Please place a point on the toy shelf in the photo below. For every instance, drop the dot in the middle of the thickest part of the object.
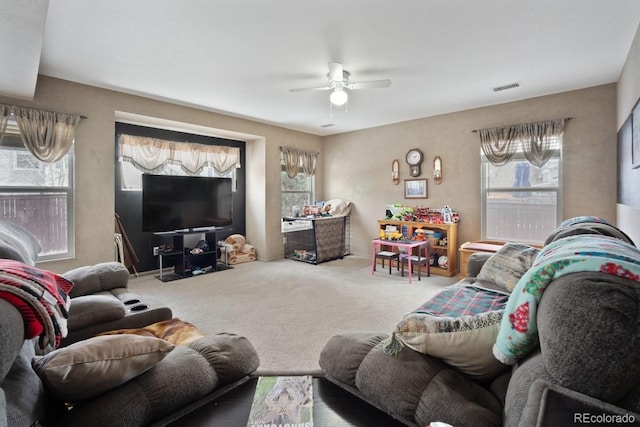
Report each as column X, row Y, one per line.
column 450, row 250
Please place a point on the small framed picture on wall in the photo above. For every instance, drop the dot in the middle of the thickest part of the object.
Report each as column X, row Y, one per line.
column 415, row 188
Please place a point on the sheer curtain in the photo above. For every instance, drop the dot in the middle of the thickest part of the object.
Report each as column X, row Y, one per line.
column 151, row 154
column 536, row 140
column 291, row 161
column 309, row 161
column 46, row 134
column 294, row 159
column 4, row 119
column 499, row 144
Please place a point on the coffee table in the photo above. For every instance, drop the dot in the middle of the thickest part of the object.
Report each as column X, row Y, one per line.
column 332, row 407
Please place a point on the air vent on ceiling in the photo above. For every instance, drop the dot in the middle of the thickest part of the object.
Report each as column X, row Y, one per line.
column 328, row 125
column 505, row 87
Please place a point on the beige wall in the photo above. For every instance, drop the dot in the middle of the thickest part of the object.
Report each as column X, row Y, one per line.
column 358, row 164
column 354, row 166
column 628, row 94
column 94, row 149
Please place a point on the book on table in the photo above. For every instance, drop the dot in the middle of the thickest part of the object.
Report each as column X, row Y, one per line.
column 282, row 401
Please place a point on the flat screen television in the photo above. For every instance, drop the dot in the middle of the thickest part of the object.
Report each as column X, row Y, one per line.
column 177, row 203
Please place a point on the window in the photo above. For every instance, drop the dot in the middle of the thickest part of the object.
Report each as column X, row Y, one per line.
column 521, row 202
column 295, row 192
column 37, row 195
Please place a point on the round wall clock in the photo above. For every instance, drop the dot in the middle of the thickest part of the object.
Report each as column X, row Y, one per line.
column 414, row 159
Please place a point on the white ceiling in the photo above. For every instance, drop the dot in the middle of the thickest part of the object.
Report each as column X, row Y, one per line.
column 241, row 57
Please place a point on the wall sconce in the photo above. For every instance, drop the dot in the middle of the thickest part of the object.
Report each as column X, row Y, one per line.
column 437, row 170
column 395, row 172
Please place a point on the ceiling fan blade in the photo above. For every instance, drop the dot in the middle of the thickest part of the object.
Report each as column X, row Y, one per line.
column 369, row 85
column 335, row 72
column 306, row 89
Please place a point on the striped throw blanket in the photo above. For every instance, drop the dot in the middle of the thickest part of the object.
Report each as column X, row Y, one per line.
column 42, row 297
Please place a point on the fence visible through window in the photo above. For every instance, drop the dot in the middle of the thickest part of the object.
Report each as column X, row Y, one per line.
column 45, row 215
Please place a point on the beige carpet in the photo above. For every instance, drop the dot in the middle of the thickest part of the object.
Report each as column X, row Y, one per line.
column 289, row 309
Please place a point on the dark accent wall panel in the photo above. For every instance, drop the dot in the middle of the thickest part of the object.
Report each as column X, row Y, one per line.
column 128, row 204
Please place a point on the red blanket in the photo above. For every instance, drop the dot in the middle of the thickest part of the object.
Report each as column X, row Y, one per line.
column 42, row 297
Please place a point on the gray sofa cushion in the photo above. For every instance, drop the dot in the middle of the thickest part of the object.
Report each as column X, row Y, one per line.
column 145, row 311
column 89, row 310
column 21, row 241
column 553, row 405
column 475, row 263
column 230, row 355
column 415, row 388
column 9, row 252
column 602, row 360
column 25, row 394
column 162, row 390
column 524, row 374
column 92, row 279
column 607, row 308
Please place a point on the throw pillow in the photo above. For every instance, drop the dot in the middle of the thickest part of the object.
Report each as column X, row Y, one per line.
column 508, row 265
column 338, row 207
column 90, row 367
column 458, row 325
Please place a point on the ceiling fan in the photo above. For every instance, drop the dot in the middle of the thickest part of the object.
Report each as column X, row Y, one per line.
column 339, row 82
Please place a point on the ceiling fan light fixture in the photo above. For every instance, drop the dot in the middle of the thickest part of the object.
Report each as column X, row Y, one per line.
column 338, row 97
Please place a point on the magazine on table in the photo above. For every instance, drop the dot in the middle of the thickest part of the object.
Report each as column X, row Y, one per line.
column 282, row 401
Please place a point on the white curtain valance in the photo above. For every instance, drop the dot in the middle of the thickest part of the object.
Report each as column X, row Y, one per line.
column 536, row 140
column 295, row 159
column 4, row 119
column 48, row 135
column 151, row 154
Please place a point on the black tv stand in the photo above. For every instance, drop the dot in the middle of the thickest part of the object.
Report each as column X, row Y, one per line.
column 188, row 264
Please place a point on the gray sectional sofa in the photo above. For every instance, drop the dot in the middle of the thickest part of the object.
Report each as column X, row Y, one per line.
column 114, row 380
column 581, row 367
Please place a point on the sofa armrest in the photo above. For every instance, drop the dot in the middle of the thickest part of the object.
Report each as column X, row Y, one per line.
column 414, row 388
column 553, row 405
column 186, row 375
column 476, row 261
column 92, row 279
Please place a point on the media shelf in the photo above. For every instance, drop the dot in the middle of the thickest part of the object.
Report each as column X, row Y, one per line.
column 187, row 264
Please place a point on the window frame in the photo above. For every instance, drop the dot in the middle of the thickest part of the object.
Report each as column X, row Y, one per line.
column 518, row 157
column 283, row 175
column 68, row 190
